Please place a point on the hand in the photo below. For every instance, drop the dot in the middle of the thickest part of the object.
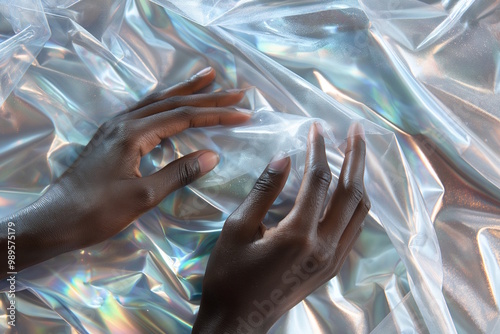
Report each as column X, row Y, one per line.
column 104, row 191
column 255, row 274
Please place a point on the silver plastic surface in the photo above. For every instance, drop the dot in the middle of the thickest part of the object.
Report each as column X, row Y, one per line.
column 423, row 76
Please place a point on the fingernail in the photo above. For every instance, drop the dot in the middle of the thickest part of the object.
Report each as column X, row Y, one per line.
column 235, row 90
column 204, row 71
column 356, row 129
column 320, row 129
column 207, row 161
column 313, row 130
column 279, row 165
column 244, row 111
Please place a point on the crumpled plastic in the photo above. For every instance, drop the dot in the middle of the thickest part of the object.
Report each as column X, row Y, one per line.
column 244, row 152
column 422, row 76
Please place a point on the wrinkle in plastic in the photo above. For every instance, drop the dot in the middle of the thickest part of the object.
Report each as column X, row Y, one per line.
column 400, row 67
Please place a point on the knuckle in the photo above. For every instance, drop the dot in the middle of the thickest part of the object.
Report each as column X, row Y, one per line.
column 321, row 173
column 176, row 100
column 266, row 183
column 145, row 195
column 187, row 173
column 106, row 126
column 353, row 189
column 323, row 255
column 184, row 112
column 101, row 134
column 303, row 243
column 121, row 134
column 120, row 130
column 155, row 97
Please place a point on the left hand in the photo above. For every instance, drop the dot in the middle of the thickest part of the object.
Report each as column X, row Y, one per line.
column 106, row 177
column 104, row 191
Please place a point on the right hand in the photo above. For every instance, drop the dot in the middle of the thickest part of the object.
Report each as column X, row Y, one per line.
column 255, row 274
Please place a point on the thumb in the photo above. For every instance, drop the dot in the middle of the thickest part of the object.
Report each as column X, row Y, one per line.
column 175, row 175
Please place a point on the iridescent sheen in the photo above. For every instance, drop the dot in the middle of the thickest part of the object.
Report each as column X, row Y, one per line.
column 424, row 77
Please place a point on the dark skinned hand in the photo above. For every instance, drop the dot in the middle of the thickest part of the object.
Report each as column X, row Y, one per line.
column 103, row 191
column 255, row 274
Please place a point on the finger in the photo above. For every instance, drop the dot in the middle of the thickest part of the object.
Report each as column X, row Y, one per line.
column 197, row 82
column 148, row 132
column 313, row 190
column 352, row 230
column 350, row 189
column 222, row 99
column 344, row 250
column 351, row 234
column 149, row 191
column 247, row 218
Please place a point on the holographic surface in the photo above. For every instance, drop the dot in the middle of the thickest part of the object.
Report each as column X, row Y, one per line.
column 423, row 75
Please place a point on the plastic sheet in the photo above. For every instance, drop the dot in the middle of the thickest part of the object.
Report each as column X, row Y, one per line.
column 245, row 151
column 423, row 75
column 24, row 33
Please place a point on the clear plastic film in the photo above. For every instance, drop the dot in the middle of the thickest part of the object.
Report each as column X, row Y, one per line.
column 421, row 76
column 245, row 151
column 23, row 34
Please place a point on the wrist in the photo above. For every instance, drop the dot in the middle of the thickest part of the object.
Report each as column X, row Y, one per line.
column 59, row 213
column 40, row 229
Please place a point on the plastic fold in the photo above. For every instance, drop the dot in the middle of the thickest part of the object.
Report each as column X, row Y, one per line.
column 422, row 77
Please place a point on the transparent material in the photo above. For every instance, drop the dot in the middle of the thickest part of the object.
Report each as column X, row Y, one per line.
column 423, row 76
column 246, row 150
column 23, row 33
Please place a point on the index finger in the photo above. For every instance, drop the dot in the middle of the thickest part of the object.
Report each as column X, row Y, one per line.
column 149, row 131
